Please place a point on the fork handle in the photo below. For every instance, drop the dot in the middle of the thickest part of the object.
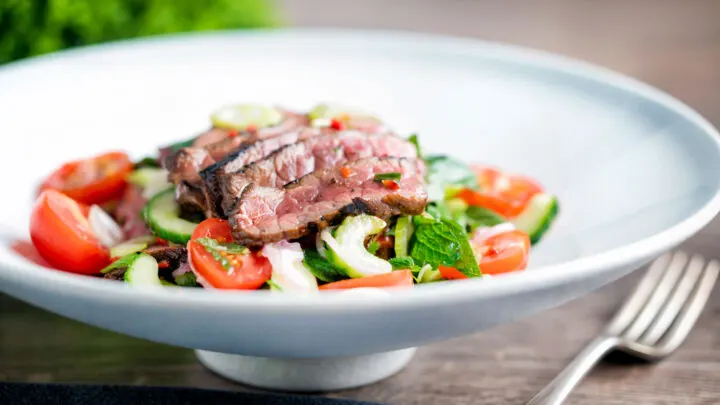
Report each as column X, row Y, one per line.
column 558, row 390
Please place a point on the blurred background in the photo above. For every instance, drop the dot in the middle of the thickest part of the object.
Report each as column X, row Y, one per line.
column 677, row 39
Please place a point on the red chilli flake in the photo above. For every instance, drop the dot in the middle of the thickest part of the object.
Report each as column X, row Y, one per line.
column 346, row 172
column 162, row 242
column 251, row 128
column 337, row 124
column 232, row 134
column 391, row 184
column 163, row 264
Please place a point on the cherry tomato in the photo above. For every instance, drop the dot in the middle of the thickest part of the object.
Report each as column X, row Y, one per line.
column 61, row 233
column 247, row 271
column 397, row 278
column 27, row 250
column 90, row 181
column 507, row 195
column 502, row 253
column 451, row 273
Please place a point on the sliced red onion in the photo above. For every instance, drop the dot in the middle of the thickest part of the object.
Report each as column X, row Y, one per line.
column 104, row 227
column 288, row 270
column 182, row 269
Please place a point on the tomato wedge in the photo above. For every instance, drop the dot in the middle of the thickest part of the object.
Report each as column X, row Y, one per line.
column 61, row 233
column 223, row 266
column 507, row 195
column 397, row 278
column 502, row 253
column 90, row 181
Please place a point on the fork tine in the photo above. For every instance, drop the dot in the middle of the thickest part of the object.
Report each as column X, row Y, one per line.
column 638, row 298
column 631, row 306
column 685, row 321
column 657, row 298
column 673, row 306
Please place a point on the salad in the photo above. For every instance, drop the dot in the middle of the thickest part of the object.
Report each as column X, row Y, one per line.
column 267, row 198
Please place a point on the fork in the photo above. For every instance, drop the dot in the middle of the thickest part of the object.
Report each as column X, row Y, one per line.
column 652, row 323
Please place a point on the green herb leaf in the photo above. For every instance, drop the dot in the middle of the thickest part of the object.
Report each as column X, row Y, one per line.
column 388, row 176
column 183, row 144
column 321, row 268
column 479, row 216
column 444, row 171
column 401, row 263
column 146, row 162
column 124, row 261
column 186, row 280
column 444, row 243
column 413, row 139
column 214, row 248
column 274, row 286
column 373, row 247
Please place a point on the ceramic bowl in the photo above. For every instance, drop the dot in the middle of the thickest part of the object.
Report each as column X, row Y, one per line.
column 636, row 171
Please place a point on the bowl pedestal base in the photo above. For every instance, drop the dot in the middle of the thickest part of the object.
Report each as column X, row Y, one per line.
column 322, row 374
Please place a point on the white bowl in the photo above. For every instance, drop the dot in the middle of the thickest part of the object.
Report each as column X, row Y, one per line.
column 636, row 171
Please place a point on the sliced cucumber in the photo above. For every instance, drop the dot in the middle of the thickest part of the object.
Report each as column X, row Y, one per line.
column 323, row 114
column 143, row 271
column 242, row 116
column 131, row 246
column 403, row 231
column 162, row 214
column 537, row 216
column 152, row 180
column 346, row 250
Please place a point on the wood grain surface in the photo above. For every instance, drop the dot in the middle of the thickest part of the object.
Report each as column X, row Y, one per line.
column 672, row 44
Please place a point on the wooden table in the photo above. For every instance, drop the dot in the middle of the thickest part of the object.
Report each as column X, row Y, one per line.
column 674, row 45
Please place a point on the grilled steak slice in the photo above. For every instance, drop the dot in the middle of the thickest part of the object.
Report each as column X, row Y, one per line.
column 216, row 143
column 173, row 255
column 213, row 176
column 324, row 197
column 320, row 152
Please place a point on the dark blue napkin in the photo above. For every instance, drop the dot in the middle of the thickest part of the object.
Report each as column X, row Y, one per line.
column 72, row 394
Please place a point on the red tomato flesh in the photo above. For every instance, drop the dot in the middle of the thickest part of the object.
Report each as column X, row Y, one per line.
column 507, row 195
column 95, row 180
column 244, row 272
column 397, row 278
column 61, row 234
column 502, row 253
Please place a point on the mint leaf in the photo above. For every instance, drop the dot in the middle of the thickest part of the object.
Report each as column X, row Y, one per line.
column 413, row 139
column 122, row 262
column 373, row 247
column 321, row 268
column 182, row 144
column 444, row 171
column 444, row 243
column 388, row 176
column 401, row 263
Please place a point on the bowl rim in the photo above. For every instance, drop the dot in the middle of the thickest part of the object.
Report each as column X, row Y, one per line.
column 20, row 271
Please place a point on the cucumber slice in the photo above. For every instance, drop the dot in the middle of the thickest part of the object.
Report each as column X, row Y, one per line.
column 162, row 214
column 131, row 246
column 322, row 114
column 143, row 271
column 152, row 180
column 346, row 250
column 403, row 231
column 537, row 217
column 242, row 116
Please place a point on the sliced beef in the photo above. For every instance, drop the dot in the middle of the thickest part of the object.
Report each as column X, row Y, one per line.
column 215, row 144
column 294, row 161
column 191, row 200
column 128, row 213
column 216, row 174
column 324, row 197
column 175, row 256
